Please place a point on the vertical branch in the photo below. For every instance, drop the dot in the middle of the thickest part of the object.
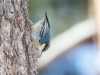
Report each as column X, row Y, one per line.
column 18, row 55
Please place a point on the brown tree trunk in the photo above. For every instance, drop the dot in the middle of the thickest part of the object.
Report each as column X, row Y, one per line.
column 18, row 55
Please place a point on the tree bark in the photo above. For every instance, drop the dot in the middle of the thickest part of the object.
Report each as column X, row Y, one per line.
column 18, row 55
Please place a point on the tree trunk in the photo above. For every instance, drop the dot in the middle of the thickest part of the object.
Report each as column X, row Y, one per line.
column 18, row 55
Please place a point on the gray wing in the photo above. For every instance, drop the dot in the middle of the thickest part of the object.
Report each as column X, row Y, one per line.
column 45, row 31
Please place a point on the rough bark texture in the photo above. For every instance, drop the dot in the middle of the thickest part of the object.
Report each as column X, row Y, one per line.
column 18, row 55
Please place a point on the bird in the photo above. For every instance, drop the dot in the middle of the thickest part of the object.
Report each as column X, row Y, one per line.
column 41, row 34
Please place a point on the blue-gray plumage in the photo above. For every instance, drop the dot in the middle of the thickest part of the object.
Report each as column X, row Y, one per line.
column 45, row 32
column 41, row 34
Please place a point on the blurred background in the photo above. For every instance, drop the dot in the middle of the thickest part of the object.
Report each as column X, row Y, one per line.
column 62, row 14
column 74, row 33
